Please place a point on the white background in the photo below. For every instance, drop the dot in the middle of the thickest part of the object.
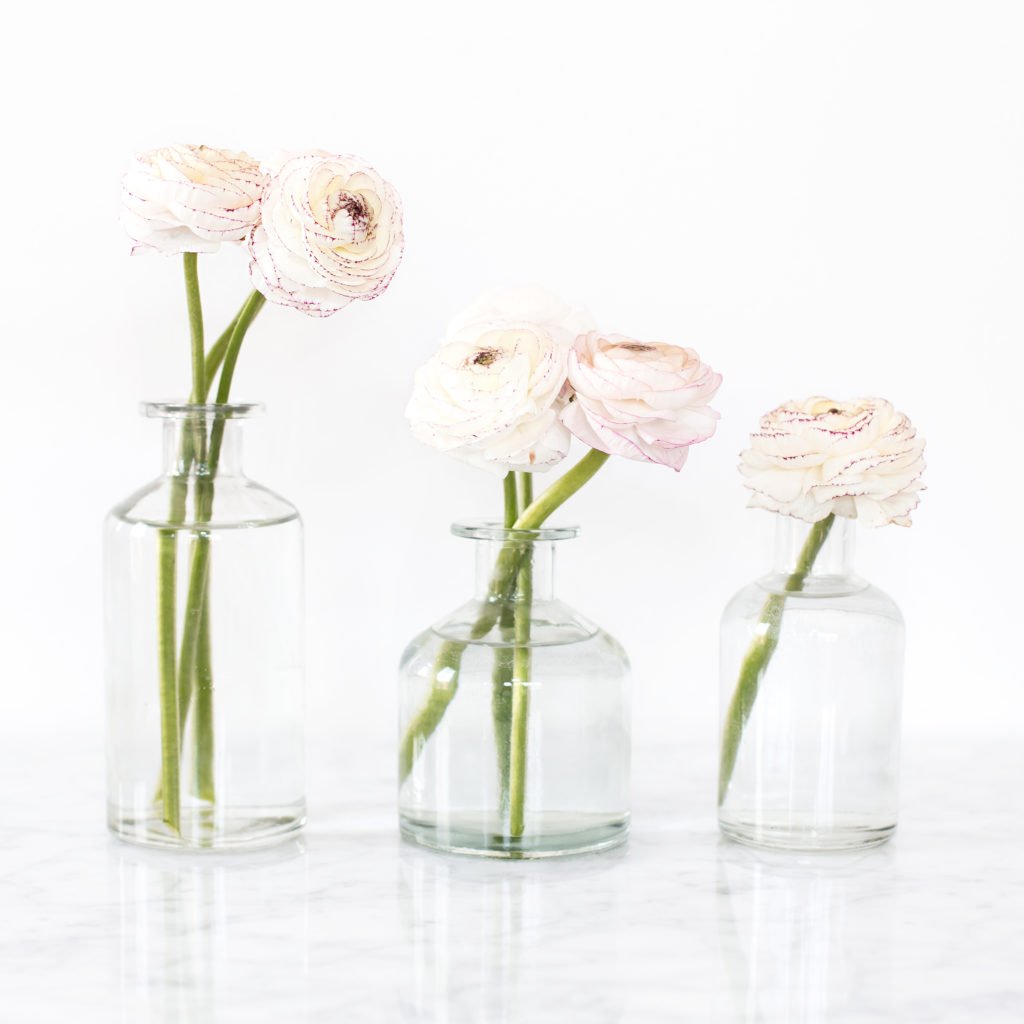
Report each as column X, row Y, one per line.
column 819, row 197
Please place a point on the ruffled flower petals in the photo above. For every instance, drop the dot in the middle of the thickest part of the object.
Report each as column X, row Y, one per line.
column 331, row 233
column 860, row 459
column 491, row 397
column 647, row 402
column 190, row 199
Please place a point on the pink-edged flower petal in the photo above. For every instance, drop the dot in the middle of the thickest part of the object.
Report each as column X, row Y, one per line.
column 643, row 401
column 330, row 233
column 860, row 459
column 190, row 199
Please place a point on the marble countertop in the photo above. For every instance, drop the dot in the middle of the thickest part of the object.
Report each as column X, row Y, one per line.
column 350, row 925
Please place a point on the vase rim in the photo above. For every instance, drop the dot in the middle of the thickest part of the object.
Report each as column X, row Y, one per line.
column 205, row 410
column 483, row 529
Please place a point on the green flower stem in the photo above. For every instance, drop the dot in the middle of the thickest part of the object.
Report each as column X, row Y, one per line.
column 501, row 676
column 525, row 489
column 204, row 740
column 193, row 440
column 245, row 317
column 172, row 701
column 195, row 670
column 512, row 505
column 521, row 657
column 760, row 652
column 170, row 749
column 421, row 728
column 561, row 490
column 503, row 581
column 215, row 356
column 195, row 326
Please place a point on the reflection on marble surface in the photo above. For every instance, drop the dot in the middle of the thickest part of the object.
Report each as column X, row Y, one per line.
column 789, row 929
column 180, row 931
column 487, row 940
column 349, row 925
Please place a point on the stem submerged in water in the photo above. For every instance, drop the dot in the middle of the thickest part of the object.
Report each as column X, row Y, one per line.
column 170, row 739
column 760, row 652
column 521, row 659
column 204, row 773
column 186, row 681
column 195, row 669
column 173, row 698
column 501, row 676
column 503, row 583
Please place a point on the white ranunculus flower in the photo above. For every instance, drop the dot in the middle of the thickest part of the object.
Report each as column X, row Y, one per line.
column 860, row 459
column 642, row 400
column 331, row 232
column 493, row 393
column 190, row 198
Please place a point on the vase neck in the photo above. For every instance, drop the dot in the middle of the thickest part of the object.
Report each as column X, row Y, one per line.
column 795, row 539
column 202, row 447
column 537, row 557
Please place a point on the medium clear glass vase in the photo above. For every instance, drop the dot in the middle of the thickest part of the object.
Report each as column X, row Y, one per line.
column 204, row 632
column 514, row 715
column 811, row 693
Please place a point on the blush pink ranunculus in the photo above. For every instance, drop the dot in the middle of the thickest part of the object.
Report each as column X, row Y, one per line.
column 641, row 400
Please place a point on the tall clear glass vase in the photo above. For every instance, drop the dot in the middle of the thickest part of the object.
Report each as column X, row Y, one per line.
column 514, row 715
column 811, row 693
column 204, row 631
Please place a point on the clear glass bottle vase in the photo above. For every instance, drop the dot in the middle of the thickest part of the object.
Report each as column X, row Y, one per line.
column 514, row 714
column 811, row 693
column 204, row 631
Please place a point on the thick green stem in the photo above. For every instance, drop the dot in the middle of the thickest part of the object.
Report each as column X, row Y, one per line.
column 195, row 326
column 194, row 448
column 501, row 676
column 195, row 672
column 170, row 749
column 759, row 654
column 520, row 698
column 190, row 446
column 246, row 315
column 503, row 582
column 524, row 483
column 204, row 759
column 421, row 728
column 173, row 699
column 215, row 356
column 561, row 490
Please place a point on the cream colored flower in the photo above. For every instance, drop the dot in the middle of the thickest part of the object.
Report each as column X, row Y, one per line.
column 492, row 394
column 859, row 459
column 190, row 198
column 640, row 400
column 331, row 232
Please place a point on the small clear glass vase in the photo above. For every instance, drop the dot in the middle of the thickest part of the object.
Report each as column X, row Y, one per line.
column 204, row 631
column 514, row 715
column 811, row 694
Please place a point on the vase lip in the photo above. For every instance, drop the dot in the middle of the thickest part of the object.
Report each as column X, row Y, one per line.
column 484, row 529
column 204, row 410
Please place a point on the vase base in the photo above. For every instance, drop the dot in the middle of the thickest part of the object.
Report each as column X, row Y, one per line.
column 554, row 834
column 790, row 834
column 209, row 829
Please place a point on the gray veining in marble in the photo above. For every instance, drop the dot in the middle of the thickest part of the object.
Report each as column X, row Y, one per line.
column 349, row 925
